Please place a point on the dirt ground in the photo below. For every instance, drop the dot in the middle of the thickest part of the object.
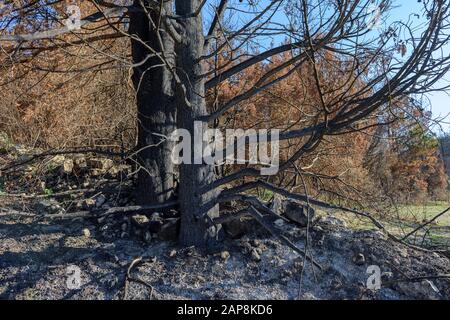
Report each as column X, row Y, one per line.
column 37, row 258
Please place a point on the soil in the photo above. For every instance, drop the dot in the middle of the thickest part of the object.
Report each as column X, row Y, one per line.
column 37, row 256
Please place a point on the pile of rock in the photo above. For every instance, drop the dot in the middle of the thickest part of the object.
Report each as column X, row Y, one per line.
column 145, row 227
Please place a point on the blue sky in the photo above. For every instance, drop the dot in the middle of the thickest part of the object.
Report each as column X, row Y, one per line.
column 439, row 101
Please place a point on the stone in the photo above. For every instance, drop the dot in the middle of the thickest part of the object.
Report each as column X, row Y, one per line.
column 124, row 226
column 424, row 290
column 298, row 264
column 255, row 256
column 89, row 203
column 100, row 164
column 333, row 221
column 172, row 253
column 147, row 236
column 386, row 277
column 321, row 241
column 359, row 259
column 279, row 223
column 293, row 210
column 225, row 255
column 86, row 233
column 336, row 284
column 239, row 227
column 100, row 201
column 155, row 224
column 140, row 220
column 170, row 229
column 57, row 160
column 101, row 219
column 48, row 206
column 308, row 296
column 247, row 246
column 68, row 166
column 80, row 162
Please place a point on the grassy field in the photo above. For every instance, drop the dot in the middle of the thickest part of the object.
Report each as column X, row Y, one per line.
column 404, row 219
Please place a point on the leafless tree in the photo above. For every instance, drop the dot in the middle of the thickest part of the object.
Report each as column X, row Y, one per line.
column 174, row 49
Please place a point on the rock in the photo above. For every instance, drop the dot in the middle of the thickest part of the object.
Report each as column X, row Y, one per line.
column 68, row 166
column 106, row 206
column 293, row 210
column 173, row 253
column 96, row 172
column 239, row 227
column 57, row 160
column 225, row 255
column 140, row 220
column 386, row 277
column 333, row 221
column 80, row 162
column 279, row 222
column 403, row 253
column 256, row 243
column 170, row 229
column 298, row 264
column 48, row 206
column 86, row 233
column 100, row 201
column 359, row 259
column 247, row 246
column 256, row 256
column 124, row 226
column 147, row 236
column 171, row 214
column 85, row 184
column 100, row 164
column 317, row 228
column 321, row 241
column 424, row 290
column 336, row 283
column 101, row 219
column 308, row 296
column 155, row 224
column 89, row 203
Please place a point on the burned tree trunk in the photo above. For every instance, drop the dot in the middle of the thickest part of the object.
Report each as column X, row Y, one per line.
column 195, row 229
column 153, row 51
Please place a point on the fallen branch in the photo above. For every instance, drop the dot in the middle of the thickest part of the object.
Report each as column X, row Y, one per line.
column 233, row 194
column 129, row 278
column 416, row 279
column 12, row 212
column 260, row 218
column 111, row 211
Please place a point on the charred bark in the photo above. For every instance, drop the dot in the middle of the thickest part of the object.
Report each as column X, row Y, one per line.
column 195, row 227
column 156, row 105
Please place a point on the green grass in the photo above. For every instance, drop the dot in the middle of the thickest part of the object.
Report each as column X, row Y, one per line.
column 406, row 218
column 425, row 212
